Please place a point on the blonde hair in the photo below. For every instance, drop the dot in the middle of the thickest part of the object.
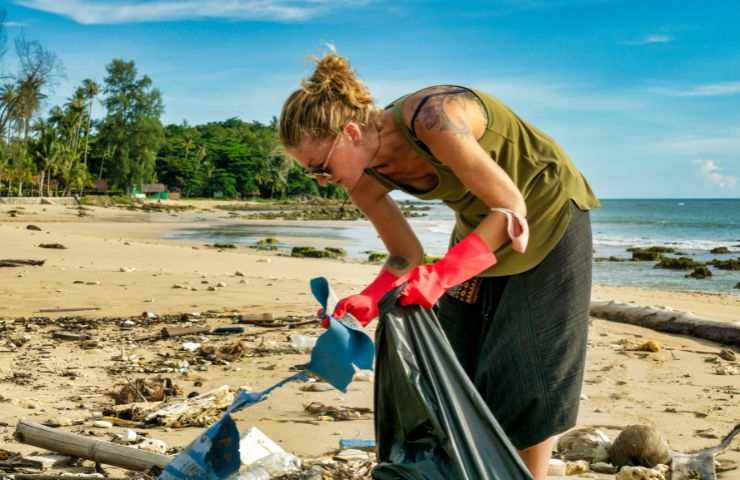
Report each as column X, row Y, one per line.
column 325, row 102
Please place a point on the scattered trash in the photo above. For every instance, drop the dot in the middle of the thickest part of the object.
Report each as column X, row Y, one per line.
column 191, row 346
column 229, row 352
column 640, row 473
column 367, row 445
column 227, row 330
column 147, row 390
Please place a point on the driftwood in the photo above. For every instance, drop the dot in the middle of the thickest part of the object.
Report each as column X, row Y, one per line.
column 668, row 320
column 35, row 434
column 700, row 465
column 71, row 309
column 21, row 263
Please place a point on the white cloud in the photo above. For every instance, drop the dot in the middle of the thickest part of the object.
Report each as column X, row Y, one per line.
column 652, row 39
column 14, row 24
column 126, row 11
column 726, row 144
column 706, row 90
column 713, row 173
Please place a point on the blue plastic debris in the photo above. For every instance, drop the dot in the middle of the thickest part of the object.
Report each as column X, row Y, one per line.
column 342, row 347
column 227, row 330
column 368, row 445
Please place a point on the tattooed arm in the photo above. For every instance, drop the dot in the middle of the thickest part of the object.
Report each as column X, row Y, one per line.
column 405, row 250
column 450, row 124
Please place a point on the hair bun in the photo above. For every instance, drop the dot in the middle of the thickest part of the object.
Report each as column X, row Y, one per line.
column 334, row 78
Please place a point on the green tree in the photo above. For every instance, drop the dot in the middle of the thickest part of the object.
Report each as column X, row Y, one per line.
column 131, row 130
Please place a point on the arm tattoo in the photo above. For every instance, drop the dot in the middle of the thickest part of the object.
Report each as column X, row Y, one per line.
column 397, row 262
column 433, row 114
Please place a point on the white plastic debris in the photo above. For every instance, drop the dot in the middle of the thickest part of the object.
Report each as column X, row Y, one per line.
column 191, row 346
column 153, row 445
column 303, row 343
column 102, row 424
column 255, row 445
column 556, row 468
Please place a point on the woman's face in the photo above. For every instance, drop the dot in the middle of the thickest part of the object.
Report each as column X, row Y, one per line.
column 339, row 160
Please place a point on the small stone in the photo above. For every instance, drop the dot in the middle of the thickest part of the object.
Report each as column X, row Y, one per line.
column 555, row 468
column 102, row 424
column 576, row 468
column 211, row 288
column 126, row 269
column 639, row 473
column 641, row 444
column 221, row 284
column 649, row 346
column 728, row 355
column 603, row 467
column 58, row 422
column 191, row 346
column 726, row 370
column 177, row 285
column 239, row 274
column 153, row 445
column 128, row 323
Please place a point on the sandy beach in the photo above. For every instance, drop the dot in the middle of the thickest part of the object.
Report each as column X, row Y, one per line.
column 117, row 260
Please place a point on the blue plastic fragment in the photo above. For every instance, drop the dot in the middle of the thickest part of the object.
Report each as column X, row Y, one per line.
column 342, row 347
column 358, row 444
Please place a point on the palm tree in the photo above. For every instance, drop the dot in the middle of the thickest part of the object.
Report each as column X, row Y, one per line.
column 91, row 89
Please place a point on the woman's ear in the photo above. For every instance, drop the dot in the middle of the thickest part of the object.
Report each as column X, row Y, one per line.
column 354, row 132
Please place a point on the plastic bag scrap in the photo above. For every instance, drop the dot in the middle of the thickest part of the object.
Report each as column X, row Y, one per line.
column 215, row 455
column 430, row 421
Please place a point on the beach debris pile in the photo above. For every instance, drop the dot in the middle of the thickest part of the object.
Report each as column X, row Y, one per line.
column 639, row 452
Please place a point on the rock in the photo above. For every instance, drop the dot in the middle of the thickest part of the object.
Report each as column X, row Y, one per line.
column 221, row 284
column 680, row 263
column 224, row 245
column 210, row 288
column 576, row 468
column 639, row 473
column 555, row 468
column 153, row 445
column 177, row 285
column 586, row 443
column 650, row 346
column 737, row 286
column 728, row 355
column 726, row 370
column 239, row 274
column 720, row 250
column 700, row 273
column 316, row 387
column 647, row 254
column 377, row 257
column 126, row 269
column 732, row 264
column 33, row 227
column 603, row 467
column 639, row 445
column 102, row 424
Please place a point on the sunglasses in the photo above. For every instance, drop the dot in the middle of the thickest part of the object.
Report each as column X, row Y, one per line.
column 322, row 171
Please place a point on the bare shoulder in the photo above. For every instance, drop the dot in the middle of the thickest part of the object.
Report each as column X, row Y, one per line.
column 445, row 108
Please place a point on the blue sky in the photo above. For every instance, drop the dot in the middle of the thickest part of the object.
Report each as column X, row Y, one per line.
column 644, row 95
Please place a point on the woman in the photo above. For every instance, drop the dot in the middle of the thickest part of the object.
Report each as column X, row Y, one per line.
column 517, row 318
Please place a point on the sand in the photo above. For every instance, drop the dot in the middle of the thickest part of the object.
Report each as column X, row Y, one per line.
column 126, row 268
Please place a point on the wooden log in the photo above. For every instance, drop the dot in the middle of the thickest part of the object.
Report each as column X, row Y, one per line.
column 168, row 332
column 70, row 309
column 32, row 433
column 668, row 320
column 21, row 263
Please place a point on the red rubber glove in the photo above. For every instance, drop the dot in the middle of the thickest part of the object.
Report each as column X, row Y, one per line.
column 426, row 283
column 364, row 305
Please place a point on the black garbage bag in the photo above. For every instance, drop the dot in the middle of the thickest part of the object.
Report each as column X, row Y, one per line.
column 430, row 421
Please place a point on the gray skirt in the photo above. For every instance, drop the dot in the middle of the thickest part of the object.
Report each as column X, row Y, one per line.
column 522, row 338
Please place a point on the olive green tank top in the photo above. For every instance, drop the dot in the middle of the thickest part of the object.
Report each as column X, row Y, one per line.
column 542, row 171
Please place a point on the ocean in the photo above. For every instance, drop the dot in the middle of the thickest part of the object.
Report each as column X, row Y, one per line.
column 691, row 226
